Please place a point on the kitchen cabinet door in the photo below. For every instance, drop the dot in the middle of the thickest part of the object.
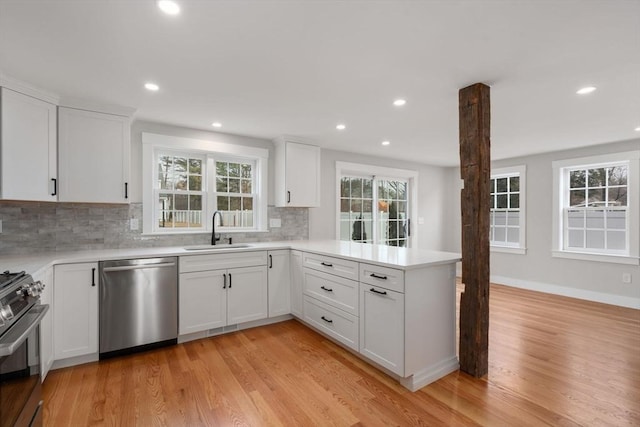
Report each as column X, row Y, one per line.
column 75, row 314
column 279, row 283
column 382, row 327
column 297, row 179
column 29, row 147
column 94, row 150
column 247, row 294
column 297, row 276
column 203, row 301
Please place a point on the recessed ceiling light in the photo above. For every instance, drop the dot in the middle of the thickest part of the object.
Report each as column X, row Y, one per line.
column 216, row 124
column 637, row 129
column 341, row 126
column 386, row 142
column 169, row 7
column 586, row 90
column 399, row 102
column 151, row 86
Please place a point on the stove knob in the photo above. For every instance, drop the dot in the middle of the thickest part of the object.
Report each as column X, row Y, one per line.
column 35, row 289
column 5, row 314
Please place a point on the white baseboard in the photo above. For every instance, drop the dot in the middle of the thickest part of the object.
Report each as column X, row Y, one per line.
column 433, row 373
column 584, row 294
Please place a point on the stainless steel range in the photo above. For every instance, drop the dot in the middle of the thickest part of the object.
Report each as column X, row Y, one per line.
column 20, row 316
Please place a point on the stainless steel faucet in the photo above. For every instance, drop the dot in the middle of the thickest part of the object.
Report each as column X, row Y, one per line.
column 214, row 239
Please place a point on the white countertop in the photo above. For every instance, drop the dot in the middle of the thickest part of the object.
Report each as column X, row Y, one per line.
column 388, row 256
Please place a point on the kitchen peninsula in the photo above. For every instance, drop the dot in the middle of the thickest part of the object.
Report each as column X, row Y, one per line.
column 394, row 307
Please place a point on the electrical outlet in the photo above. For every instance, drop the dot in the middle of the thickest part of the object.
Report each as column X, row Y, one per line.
column 626, row 277
column 420, row 220
column 134, row 224
column 275, row 223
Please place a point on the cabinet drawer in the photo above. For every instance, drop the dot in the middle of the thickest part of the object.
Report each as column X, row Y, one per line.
column 389, row 278
column 337, row 324
column 338, row 266
column 191, row 263
column 336, row 291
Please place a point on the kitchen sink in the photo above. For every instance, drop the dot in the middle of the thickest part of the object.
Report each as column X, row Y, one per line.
column 215, row 247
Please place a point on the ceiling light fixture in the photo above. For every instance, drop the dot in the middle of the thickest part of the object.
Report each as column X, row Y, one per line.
column 585, row 90
column 386, row 142
column 399, row 102
column 216, row 124
column 151, row 86
column 341, row 126
column 637, row 129
column 169, row 7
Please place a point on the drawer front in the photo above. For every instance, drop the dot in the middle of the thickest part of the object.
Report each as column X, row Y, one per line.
column 191, row 263
column 338, row 266
column 337, row 324
column 336, row 291
column 385, row 277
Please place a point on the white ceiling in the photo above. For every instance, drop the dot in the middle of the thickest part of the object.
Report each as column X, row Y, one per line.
column 265, row 68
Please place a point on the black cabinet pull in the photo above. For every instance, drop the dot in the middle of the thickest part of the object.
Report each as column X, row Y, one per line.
column 288, row 196
column 270, row 261
column 326, row 289
column 326, row 320
column 326, row 264
column 55, row 186
column 224, row 276
column 378, row 277
column 229, row 280
column 409, row 227
column 378, row 292
column 126, row 190
column 93, row 277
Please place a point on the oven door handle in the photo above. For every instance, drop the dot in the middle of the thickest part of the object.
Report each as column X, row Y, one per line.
column 20, row 330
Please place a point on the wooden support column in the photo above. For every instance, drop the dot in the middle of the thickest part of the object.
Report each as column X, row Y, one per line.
column 475, row 169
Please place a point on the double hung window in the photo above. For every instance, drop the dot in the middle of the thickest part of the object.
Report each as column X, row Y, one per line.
column 185, row 181
column 597, row 207
column 507, row 209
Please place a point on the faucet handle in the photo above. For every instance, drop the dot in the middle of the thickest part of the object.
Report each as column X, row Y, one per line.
column 228, row 239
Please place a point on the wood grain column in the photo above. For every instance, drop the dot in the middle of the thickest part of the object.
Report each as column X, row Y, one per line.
column 475, row 169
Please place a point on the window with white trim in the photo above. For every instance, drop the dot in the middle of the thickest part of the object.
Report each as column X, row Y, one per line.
column 507, row 209
column 185, row 181
column 597, row 207
column 374, row 209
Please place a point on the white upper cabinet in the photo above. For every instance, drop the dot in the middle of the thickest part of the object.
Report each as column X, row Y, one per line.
column 93, row 155
column 297, row 174
column 29, row 168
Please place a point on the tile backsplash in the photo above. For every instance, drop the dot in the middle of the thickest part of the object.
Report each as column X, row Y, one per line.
column 29, row 227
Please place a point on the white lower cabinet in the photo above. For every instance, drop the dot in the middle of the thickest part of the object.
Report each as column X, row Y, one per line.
column 382, row 327
column 215, row 298
column 75, row 316
column 279, row 283
column 296, row 283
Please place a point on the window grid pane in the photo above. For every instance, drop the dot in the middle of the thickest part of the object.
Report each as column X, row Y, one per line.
column 595, row 215
column 504, row 214
column 234, row 197
column 180, row 200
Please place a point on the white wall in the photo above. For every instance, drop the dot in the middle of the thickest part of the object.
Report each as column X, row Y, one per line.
column 537, row 269
column 432, row 198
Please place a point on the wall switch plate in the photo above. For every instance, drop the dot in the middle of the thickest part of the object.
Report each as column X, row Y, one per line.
column 134, row 224
column 420, row 220
column 275, row 223
column 626, row 277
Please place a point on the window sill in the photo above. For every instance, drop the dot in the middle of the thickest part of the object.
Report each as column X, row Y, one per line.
column 185, row 232
column 616, row 259
column 508, row 250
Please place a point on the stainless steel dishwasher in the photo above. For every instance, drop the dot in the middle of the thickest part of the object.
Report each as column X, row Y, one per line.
column 138, row 304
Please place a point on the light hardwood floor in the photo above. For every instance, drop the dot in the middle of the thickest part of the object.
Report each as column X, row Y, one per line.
column 553, row 361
